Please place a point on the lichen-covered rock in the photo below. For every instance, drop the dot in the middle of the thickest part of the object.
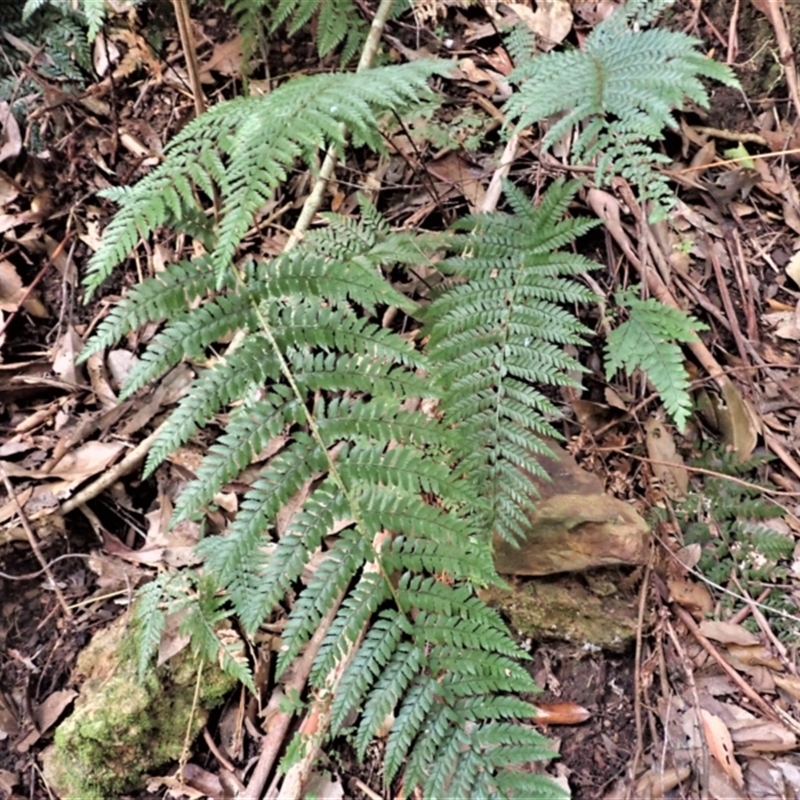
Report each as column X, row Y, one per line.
column 122, row 728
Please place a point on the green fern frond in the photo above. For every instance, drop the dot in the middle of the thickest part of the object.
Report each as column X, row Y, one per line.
column 238, row 376
column 380, row 643
column 203, row 616
column 356, row 611
column 188, row 335
column 494, row 336
column 93, row 11
column 148, row 622
column 416, row 706
column 647, row 341
column 330, row 579
column 255, row 140
column 625, row 82
column 392, row 683
column 161, row 297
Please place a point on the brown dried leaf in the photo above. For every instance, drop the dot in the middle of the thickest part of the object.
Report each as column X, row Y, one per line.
column 694, row 597
column 789, row 684
column 753, row 656
column 10, row 135
column 46, row 715
column 728, row 633
column 552, row 20
column 65, row 357
column 720, row 745
column 226, row 59
column 666, row 459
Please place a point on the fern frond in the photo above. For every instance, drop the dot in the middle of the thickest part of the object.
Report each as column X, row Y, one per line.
column 494, row 336
column 647, row 341
column 236, row 559
column 416, row 706
column 330, row 579
column 161, row 297
column 393, row 681
column 380, row 643
column 625, row 82
column 256, row 140
column 204, row 614
column 148, row 622
column 188, row 335
column 320, row 512
column 355, row 612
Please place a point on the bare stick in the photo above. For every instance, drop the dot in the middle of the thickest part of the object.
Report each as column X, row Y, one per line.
column 128, row 464
column 279, row 724
column 34, row 543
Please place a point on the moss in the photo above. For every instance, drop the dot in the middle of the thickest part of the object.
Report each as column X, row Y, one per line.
column 563, row 608
column 121, row 728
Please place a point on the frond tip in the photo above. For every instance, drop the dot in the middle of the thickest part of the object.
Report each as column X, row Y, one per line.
column 624, row 86
column 243, row 148
column 648, row 341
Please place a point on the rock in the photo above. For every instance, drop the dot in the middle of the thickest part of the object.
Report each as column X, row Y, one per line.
column 575, row 526
column 122, row 728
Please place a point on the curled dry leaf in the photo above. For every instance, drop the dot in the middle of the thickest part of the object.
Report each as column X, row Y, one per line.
column 753, row 656
column 561, row 714
column 694, row 597
column 789, row 683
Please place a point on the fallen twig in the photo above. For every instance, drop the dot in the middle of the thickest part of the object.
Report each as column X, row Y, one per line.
column 35, row 544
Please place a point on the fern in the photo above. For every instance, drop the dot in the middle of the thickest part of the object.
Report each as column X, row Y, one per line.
column 735, row 524
column 621, row 92
column 342, row 408
column 497, row 335
column 93, row 12
column 415, row 497
column 647, row 341
column 58, row 35
column 224, row 151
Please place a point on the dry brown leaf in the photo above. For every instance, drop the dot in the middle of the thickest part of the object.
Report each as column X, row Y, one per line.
column 104, row 53
column 689, row 556
column 694, row 597
column 455, row 171
column 10, row 135
column 753, row 656
column 720, row 745
column 322, row 784
column 12, row 292
column 736, row 421
column 8, row 780
column 789, row 684
column 226, row 59
column 86, row 460
column 202, row 780
column 65, row 357
column 657, row 783
column 172, row 640
column 46, row 715
column 552, row 20
column 666, row 459
column 99, row 380
column 728, row 633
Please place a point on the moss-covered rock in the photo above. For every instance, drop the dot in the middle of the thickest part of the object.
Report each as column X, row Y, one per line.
column 122, row 728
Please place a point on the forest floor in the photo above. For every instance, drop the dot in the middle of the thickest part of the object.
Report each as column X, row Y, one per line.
column 705, row 692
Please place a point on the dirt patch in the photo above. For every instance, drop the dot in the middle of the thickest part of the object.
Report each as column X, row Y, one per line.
column 596, row 752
